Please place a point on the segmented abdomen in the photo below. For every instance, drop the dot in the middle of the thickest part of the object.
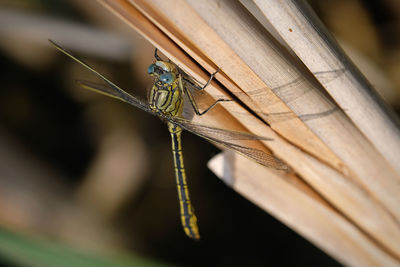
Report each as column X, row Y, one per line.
column 188, row 218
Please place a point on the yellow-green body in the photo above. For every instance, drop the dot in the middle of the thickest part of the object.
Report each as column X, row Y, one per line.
column 167, row 98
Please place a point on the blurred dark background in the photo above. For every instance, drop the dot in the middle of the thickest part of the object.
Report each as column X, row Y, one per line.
column 96, row 175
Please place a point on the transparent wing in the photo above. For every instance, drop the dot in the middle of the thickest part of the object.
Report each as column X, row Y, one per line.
column 284, row 116
column 111, row 91
column 214, row 135
column 224, row 137
column 286, row 91
column 259, row 156
column 208, row 131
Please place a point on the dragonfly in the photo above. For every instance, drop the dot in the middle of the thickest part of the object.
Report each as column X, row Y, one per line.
column 166, row 100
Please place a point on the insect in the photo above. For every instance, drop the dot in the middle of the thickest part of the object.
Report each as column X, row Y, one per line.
column 166, row 102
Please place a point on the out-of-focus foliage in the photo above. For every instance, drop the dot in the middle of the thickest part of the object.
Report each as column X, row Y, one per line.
column 29, row 251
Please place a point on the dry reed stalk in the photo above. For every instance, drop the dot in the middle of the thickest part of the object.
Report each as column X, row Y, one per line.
column 336, row 166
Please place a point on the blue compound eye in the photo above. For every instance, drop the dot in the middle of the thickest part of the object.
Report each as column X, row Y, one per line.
column 150, row 69
column 167, row 78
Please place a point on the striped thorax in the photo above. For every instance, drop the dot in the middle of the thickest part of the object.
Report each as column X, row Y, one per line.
column 166, row 94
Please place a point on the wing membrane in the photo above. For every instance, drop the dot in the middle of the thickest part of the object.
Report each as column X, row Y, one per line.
column 116, row 91
column 112, row 91
column 222, row 137
column 208, row 131
column 259, row 156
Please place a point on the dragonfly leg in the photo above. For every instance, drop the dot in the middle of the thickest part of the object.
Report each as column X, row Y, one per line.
column 213, row 105
column 204, row 86
column 158, row 58
column 191, row 98
column 210, row 79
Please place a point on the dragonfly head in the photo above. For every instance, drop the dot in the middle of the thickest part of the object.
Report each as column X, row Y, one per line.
column 161, row 67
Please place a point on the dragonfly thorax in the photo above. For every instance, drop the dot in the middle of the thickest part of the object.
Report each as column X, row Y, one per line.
column 166, row 93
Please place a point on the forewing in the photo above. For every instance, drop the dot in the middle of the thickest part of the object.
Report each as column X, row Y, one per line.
column 112, row 91
column 118, row 94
